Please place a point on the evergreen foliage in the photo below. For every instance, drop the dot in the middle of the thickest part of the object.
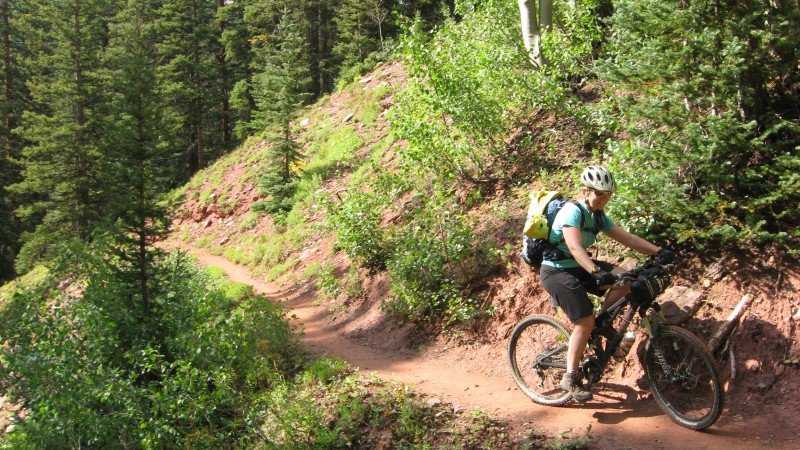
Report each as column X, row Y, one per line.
column 235, row 38
column 15, row 99
column 280, row 91
column 89, row 375
column 63, row 173
column 210, row 59
column 713, row 154
column 139, row 150
column 357, row 25
column 192, row 78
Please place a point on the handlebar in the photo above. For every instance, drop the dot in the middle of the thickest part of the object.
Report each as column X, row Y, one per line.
column 633, row 274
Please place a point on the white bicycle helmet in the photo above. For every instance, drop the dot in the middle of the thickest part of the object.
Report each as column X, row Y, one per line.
column 598, row 178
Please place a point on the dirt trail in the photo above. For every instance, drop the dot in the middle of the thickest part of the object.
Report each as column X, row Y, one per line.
column 618, row 418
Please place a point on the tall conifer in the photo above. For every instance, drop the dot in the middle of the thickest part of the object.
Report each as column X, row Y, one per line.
column 13, row 101
column 711, row 112
column 357, row 33
column 237, row 41
column 190, row 49
column 62, row 166
column 141, row 152
column 280, row 91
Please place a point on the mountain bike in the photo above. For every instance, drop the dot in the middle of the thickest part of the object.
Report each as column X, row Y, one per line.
column 682, row 372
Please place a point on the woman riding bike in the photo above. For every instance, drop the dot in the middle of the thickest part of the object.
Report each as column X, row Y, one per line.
column 569, row 274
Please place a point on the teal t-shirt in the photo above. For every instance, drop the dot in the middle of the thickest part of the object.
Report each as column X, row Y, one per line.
column 570, row 215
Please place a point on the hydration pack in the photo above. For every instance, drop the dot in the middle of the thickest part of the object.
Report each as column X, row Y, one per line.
column 542, row 211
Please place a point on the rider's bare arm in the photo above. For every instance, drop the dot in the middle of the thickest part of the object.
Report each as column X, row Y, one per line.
column 574, row 240
column 631, row 241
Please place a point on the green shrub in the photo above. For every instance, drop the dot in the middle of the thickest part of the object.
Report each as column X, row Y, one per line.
column 711, row 157
column 98, row 371
column 352, row 283
column 425, row 261
column 328, row 283
column 469, row 85
column 357, row 222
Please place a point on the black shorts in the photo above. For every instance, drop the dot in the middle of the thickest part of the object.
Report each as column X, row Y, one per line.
column 569, row 289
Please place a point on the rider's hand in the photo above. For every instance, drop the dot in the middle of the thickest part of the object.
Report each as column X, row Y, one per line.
column 604, row 279
column 665, row 255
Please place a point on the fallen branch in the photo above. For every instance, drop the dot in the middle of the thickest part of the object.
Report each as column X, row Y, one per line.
column 730, row 344
column 730, row 323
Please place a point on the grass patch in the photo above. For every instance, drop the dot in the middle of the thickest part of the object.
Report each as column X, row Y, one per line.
column 311, row 271
column 36, row 279
column 232, row 290
column 280, row 269
column 335, row 153
column 203, row 242
column 206, row 196
column 236, row 255
column 329, row 405
column 249, row 222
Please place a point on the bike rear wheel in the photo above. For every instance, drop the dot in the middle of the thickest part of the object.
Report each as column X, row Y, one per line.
column 537, row 354
column 685, row 382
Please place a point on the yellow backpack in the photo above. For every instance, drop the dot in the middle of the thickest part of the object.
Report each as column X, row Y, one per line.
column 535, row 235
column 541, row 213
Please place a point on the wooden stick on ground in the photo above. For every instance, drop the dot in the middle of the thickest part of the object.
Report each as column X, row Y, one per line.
column 730, row 323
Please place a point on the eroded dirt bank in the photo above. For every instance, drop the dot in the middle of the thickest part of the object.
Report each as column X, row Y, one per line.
column 474, row 374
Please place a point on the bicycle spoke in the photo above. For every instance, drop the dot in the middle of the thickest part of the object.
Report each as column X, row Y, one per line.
column 537, row 356
column 684, row 379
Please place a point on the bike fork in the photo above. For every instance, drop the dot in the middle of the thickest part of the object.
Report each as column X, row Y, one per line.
column 653, row 323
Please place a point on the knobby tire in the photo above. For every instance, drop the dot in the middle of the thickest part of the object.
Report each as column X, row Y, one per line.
column 532, row 339
column 693, row 397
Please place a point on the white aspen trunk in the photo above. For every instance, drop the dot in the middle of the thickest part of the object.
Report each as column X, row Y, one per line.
column 534, row 25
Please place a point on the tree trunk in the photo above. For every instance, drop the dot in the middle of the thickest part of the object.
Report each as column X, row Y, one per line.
column 534, row 25
column 7, row 119
column 225, row 123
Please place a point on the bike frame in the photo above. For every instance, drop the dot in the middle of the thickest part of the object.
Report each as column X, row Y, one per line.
column 593, row 366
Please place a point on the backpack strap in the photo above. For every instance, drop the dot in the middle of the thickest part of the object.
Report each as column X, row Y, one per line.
column 553, row 253
column 598, row 217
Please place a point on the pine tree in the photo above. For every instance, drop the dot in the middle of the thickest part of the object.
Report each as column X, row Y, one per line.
column 320, row 33
column 280, row 91
column 711, row 113
column 62, row 167
column 236, row 40
column 357, row 34
column 190, row 50
column 141, row 152
column 15, row 98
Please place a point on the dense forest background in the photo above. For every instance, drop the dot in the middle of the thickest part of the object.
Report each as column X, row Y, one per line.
column 110, row 107
column 95, row 89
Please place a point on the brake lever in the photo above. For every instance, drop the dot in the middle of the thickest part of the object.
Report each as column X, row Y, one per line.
column 625, row 278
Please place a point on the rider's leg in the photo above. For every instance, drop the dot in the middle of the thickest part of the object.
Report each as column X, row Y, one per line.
column 569, row 293
column 571, row 381
column 577, row 342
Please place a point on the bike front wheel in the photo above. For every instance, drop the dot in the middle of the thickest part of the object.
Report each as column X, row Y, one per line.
column 537, row 354
column 684, row 378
